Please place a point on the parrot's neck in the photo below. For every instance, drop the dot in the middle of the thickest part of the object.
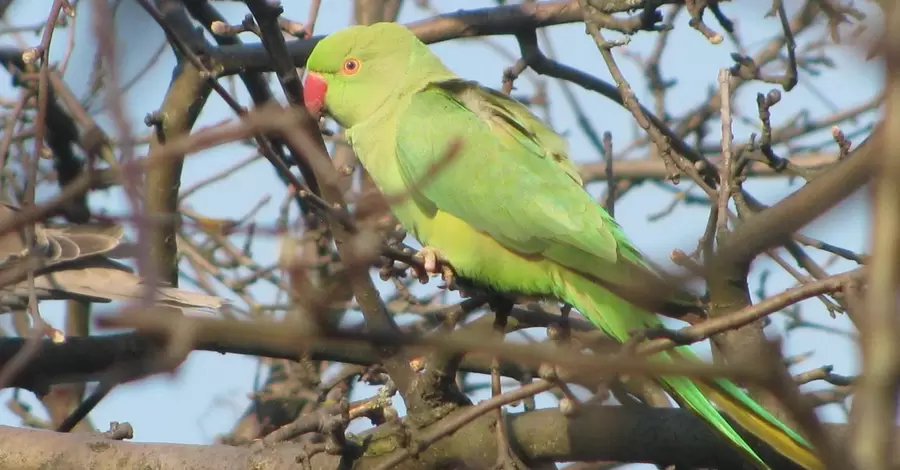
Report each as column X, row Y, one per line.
column 424, row 68
column 395, row 103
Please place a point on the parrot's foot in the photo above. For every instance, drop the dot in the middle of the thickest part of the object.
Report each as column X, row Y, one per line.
column 433, row 262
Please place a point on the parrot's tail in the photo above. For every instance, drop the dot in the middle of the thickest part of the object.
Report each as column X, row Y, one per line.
column 616, row 317
column 754, row 418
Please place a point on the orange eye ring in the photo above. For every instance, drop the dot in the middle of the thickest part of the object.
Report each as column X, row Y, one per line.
column 351, row 66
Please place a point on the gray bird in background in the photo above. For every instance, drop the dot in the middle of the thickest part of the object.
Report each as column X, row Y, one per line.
column 73, row 263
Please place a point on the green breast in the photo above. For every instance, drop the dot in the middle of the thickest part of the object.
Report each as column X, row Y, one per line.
column 374, row 143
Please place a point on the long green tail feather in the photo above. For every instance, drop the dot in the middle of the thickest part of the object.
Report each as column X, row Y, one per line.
column 740, row 395
column 616, row 317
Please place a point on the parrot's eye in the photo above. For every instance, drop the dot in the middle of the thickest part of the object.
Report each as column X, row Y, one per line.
column 351, row 66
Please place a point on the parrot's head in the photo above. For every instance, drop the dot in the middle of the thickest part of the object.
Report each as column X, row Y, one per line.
column 357, row 71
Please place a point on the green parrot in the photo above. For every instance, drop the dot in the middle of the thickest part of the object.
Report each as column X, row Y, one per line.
column 509, row 211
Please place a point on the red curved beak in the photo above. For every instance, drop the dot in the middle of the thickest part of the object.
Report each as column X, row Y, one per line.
column 314, row 89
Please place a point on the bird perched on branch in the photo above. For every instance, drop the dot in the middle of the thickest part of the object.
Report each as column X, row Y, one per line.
column 509, row 211
column 73, row 263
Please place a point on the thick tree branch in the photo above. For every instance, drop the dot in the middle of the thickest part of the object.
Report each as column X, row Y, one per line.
column 83, row 359
column 494, row 21
column 180, row 109
column 184, row 101
column 612, row 433
column 875, row 404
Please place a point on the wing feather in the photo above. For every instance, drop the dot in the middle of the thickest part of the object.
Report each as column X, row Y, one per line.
column 507, row 183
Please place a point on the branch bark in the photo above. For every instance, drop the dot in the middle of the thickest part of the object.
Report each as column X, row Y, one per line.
column 875, row 404
column 180, row 109
column 493, row 21
column 610, row 433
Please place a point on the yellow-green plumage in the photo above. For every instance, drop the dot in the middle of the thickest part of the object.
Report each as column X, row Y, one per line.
column 509, row 211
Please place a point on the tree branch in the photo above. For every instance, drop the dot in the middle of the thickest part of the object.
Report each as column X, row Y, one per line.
column 493, row 21
column 774, row 226
column 180, row 109
column 613, row 433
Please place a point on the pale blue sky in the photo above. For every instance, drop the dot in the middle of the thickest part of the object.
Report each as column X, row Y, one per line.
column 209, row 392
